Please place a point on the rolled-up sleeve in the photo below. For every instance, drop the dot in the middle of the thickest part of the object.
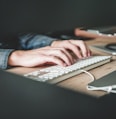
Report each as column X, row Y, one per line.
column 32, row 41
column 4, row 54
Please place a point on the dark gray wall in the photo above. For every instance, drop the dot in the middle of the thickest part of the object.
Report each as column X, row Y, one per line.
column 52, row 15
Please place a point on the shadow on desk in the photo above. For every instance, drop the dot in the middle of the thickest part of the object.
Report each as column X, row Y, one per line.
column 24, row 98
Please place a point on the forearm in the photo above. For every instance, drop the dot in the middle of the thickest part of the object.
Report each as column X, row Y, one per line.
column 32, row 41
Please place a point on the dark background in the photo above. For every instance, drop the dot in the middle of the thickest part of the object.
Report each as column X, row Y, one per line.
column 54, row 15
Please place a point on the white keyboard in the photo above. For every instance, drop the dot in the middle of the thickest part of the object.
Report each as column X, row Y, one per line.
column 55, row 74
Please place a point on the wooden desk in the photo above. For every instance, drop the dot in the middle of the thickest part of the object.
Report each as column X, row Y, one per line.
column 79, row 82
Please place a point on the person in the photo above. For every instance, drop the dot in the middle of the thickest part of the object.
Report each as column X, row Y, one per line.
column 36, row 50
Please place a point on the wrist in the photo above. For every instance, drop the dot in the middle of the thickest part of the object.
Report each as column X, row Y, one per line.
column 13, row 59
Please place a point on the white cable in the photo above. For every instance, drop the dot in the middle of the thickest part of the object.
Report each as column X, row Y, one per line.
column 108, row 89
column 92, row 77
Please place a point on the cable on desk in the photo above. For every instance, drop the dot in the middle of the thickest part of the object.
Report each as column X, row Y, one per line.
column 108, row 89
column 91, row 75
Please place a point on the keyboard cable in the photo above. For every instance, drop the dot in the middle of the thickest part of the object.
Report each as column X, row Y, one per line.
column 88, row 73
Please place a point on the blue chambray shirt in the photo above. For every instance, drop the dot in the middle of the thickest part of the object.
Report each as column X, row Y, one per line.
column 26, row 42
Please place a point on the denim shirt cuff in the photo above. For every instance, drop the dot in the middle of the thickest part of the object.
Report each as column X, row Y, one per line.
column 4, row 54
column 32, row 41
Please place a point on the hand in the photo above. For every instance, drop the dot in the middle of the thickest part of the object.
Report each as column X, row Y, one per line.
column 78, row 47
column 41, row 56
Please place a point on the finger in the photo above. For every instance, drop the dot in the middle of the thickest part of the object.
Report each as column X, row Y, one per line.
column 61, row 53
column 55, row 60
column 82, row 46
column 69, row 55
column 89, row 52
column 72, row 47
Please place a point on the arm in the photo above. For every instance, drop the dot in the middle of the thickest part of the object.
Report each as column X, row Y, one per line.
column 60, row 52
column 38, row 53
column 33, row 41
column 28, row 41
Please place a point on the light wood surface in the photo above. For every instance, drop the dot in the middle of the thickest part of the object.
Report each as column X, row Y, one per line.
column 78, row 83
